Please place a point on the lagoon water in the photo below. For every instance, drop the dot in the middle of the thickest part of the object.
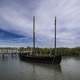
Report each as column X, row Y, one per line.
column 12, row 68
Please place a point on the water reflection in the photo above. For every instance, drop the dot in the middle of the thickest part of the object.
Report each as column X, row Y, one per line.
column 46, row 72
column 3, row 57
column 71, row 68
column 11, row 68
column 7, row 57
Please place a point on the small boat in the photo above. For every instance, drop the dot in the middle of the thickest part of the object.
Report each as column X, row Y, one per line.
column 53, row 59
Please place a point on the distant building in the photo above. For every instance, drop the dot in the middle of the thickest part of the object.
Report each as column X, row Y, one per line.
column 9, row 50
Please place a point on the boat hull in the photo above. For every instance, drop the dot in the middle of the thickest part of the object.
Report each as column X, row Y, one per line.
column 41, row 59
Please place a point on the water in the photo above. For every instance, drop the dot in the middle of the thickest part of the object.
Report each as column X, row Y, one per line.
column 11, row 68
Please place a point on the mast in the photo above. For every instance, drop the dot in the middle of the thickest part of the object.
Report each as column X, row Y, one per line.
column 55, row 36
column 33, row 35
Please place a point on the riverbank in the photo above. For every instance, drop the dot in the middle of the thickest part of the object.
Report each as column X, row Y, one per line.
column 42, row 51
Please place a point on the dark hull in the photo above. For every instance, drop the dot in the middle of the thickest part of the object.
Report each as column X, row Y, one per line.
column 41, row 59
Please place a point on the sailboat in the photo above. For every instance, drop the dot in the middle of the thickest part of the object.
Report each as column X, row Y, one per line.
column 54, row 59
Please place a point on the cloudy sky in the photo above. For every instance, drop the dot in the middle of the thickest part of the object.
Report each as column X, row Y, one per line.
column 16, row 22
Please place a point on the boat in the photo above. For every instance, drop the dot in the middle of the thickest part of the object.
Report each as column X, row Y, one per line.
column 52, row 59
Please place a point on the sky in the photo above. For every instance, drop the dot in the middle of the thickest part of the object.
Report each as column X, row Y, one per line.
column 16, row 22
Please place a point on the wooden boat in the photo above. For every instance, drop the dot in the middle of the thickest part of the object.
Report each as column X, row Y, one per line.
column 54, row 59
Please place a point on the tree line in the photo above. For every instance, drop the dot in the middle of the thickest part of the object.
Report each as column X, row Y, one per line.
column 60, row 51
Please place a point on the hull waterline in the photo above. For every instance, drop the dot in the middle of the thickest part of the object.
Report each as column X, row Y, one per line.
column 41, row 59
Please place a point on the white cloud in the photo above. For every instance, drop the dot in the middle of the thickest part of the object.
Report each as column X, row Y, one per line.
column 68, row 20
column 68, row 16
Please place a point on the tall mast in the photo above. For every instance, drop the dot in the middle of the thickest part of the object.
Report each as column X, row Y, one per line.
column 55, row 36
column 33, row 35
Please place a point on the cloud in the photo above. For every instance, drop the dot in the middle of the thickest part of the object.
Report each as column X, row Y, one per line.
column 9, row 35
column 16, row 16
column 67, row 12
